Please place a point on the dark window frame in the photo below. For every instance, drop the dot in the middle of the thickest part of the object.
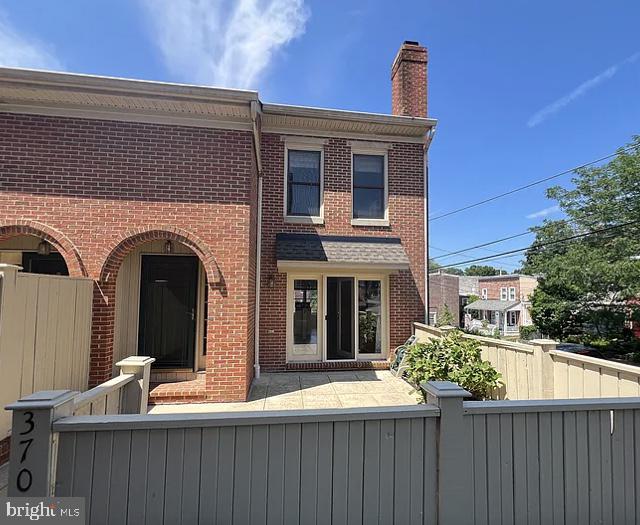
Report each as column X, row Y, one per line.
column 290, row 183
column 383, row 188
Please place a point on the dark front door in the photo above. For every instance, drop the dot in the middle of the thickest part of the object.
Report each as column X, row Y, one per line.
column 167, row 330
column 340, row 340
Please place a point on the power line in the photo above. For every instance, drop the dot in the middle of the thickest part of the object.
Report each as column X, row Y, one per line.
column 542, row 245
column 485, row 244
column 531, row 184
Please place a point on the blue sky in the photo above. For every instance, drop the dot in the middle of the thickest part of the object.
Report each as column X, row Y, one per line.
column 522, row 89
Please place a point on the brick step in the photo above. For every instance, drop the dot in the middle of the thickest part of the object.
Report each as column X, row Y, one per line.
column 178, row 392
column 340, row 365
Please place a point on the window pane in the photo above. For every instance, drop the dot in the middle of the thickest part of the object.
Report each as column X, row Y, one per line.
column 303, row 183
column 369, row 317
column 368, row 171
column 304, row 166
column 368, row 203
column 305, row 317
column 304, row 200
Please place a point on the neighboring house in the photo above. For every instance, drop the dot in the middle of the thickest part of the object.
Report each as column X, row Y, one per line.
column 504, row 304
column 224, row 235
column 444, row 293
column 468, row 290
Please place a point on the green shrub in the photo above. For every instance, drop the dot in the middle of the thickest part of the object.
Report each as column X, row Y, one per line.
column 445, row 318
column 453, row 358
column 527, row 332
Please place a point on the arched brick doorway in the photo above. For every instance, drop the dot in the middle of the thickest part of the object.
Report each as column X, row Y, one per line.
column 106, row 345
column 57, row 239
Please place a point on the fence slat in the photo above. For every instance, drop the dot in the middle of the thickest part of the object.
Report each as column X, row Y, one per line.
column 65, row 466
column 209, row 474
column 506, row 471
column 226, row 473
column 83, row 467
column 154, row 507
column 191, row 475
column 582, row 457
column 173, row 475
column 416, row 464
column 371, row 487
column 309, row 473
column 242, row 475
column 480, row 495
column 595, row 467
column 520, row 503
column 356, row 470
column 119, row 483
column 607, row 481
column 275, row 496
column 617, row 467
column 340, row 470
column 325, row 472
column 138, row 479
column 387, row 468
column 259, row 465
column 546, row 468
column 494, row 500
column 629, row 466
column 533, row 467
column 430, row 471
column 570, row 468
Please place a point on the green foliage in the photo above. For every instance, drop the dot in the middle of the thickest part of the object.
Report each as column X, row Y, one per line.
column 586, row 283
column 445, row 318
column 473, row 298
column 453, row 358
column 435, row 266
column 528, row 332
column 482, row 269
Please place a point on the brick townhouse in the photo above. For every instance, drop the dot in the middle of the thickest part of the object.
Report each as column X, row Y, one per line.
column 224, row 235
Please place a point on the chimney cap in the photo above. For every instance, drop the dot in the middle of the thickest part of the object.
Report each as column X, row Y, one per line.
column 411, row 42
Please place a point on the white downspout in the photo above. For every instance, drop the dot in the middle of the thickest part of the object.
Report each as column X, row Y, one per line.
column 255, row 112
column 427, row 142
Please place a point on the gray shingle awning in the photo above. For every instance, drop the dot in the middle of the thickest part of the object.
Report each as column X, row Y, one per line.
column 295, row 250
column 492, row 304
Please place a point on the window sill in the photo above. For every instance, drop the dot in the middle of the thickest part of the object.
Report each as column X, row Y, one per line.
column 369, row 222
column 303, row 220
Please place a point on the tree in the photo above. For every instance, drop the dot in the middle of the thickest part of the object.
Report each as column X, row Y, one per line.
column 446, row 317
column 482, row 270
column 586, row 283
column 434, row 266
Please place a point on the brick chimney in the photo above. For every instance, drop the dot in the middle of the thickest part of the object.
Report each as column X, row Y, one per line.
column 409, row 81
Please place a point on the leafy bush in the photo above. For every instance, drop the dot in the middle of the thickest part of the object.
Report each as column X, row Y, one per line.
column 528, row 332
column 446, row 317
column 453, row 358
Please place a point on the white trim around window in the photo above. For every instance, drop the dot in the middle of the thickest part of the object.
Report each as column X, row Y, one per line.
column 512, row 293
column 382, row 151
column 303, row 146
column 484, row 293
column 503, row 294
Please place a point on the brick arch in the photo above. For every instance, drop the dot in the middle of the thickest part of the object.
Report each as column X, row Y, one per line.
column 104, row 298
column 129, row 240
column 56, row 238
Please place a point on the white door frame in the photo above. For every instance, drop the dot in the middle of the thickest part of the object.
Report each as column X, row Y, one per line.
column 321, row 278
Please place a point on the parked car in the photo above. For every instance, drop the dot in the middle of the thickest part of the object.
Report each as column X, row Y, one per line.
column 577, row 348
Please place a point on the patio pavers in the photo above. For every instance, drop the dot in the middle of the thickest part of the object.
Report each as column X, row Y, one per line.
column 291, row 391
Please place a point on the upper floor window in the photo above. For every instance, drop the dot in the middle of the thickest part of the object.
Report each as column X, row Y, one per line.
column 304, row 183
column 512, row 293
column 503, row 294
column 483, row 293
column 369, row 192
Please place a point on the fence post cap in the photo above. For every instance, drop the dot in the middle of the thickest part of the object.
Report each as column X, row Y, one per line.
column 136, row 360
column 44, row 399
column 14, row 267
column 543, row 342
column 444, row 389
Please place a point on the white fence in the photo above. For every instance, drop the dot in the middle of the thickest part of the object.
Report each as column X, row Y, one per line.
column 538, row 371
column 45, row 335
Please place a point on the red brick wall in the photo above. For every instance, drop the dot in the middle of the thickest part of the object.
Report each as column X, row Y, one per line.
column 445, row 290
column 493, row 286
column 409, row 81
column 95, row 183
column 406, row 214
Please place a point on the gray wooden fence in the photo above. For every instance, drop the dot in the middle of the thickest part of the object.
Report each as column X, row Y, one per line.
column 448, row 461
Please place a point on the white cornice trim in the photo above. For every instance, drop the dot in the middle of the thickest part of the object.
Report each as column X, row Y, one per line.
column 126, row 116
column 341, row 134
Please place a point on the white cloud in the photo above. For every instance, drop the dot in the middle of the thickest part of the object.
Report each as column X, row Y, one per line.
column 18, row 50
column 227, row 43
column 544, row 212
column 554, row 107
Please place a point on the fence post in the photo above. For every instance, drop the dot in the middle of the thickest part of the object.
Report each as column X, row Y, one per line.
column 135, row 395
column 32, row 459
column 454, row 453
column 546, row 366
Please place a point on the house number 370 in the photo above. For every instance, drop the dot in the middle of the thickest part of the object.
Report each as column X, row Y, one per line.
column 25, row 478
